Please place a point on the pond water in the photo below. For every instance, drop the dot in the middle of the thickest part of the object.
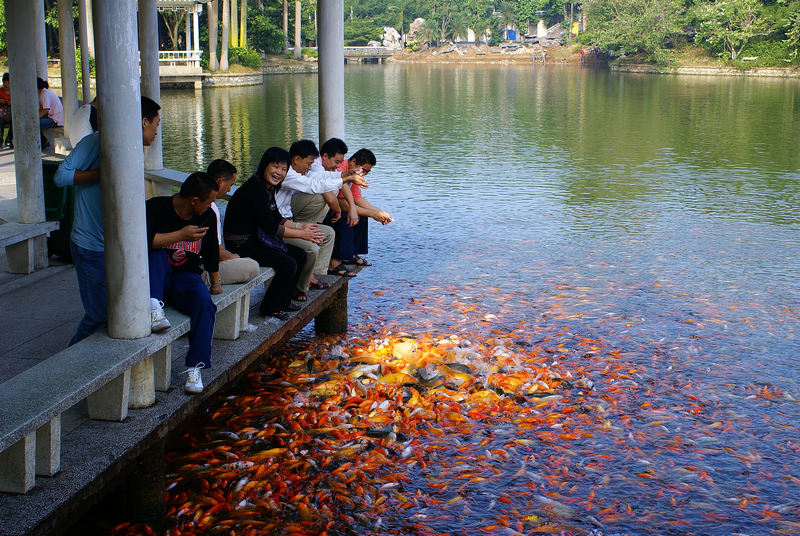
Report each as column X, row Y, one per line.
column 628, row 240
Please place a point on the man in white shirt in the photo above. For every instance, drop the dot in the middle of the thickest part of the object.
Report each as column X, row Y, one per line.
column 301, row 179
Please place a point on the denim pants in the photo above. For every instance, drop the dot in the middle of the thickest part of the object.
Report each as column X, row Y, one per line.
column 350, row 241
column 90, row 267
column 190, row 295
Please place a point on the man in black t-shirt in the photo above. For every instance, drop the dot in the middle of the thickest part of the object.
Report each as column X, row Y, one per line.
column 180, row 247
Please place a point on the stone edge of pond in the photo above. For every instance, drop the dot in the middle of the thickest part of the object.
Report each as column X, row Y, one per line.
column 768, row 72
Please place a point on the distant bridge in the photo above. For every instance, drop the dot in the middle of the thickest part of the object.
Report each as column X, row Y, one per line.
column 366, row 54
column 378, row 54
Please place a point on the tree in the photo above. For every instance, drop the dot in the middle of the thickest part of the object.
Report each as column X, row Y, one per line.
column 633, row 25
column 226, row 27
column 234, row 38
column 731, row 24
column 173, row 20
column 298, row 21
column 243, row 24
column 213, row 30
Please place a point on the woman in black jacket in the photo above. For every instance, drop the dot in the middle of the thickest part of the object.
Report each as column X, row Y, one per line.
column 254, row 228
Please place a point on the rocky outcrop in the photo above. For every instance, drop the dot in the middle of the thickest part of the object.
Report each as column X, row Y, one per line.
column 391, row 39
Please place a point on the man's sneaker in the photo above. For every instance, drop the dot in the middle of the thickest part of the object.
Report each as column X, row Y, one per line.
column 194, row 381
column 158, row 322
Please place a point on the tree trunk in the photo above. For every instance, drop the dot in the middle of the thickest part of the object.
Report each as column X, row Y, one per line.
column 298, row 20
column 213, row 31
column 226, row 16
column 234, row 37
column 285, row 26
column 243, row 24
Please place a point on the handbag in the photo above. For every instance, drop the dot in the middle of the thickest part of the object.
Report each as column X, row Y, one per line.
column 271, row 241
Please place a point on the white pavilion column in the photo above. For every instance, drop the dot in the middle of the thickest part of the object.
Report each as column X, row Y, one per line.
column 20, row 16
column 39, row 39
column 66, row 46
column 196, row 28
column 122, row 169
column 188, row 39
column 331, row 69
column 85, row 31
column 151, row 82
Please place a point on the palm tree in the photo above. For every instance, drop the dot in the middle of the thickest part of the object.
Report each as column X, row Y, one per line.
column 213, row 30
column 243, row 24
column 234, row 38
column 226, row 27
column 285, row 26
column 298, row 20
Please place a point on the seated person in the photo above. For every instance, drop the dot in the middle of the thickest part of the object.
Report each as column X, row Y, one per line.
column 232, row 267
column 5, row 112
column 180, row 247
column 300, row 179
column 354, row 241
column 51, row 112
column 255, row 228
column 84, row 123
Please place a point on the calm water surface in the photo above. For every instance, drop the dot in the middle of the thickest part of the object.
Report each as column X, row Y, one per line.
column 656, row 215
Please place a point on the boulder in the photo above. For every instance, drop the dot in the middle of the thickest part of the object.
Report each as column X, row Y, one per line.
column 415, row 29
column 391, row 39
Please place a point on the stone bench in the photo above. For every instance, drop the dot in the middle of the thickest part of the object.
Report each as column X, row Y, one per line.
column 52, row 134
column 113, row 375
column 18, row 239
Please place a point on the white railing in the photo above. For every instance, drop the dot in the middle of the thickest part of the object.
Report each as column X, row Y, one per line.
column 179, row 58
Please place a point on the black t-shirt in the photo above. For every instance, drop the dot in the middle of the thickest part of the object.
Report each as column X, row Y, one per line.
column 184, row 256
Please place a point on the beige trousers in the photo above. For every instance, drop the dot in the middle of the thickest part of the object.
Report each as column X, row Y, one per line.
column 309, row 207
column 318, row 256
column 232, row 271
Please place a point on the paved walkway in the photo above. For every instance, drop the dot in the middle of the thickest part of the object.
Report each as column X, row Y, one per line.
column 38, row 312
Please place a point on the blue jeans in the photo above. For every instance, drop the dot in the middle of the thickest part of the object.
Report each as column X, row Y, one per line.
column 46, row 122
column 90, row 267
column 190, row 295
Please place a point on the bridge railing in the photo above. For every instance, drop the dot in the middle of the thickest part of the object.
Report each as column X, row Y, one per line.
column 179, row 58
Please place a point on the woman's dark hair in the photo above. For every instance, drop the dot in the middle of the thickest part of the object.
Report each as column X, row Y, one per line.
column 41, row 84
column 5, row 77
column 273, row 155
column 363, row 156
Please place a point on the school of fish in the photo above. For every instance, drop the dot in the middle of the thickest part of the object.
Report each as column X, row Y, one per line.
column 485, row 423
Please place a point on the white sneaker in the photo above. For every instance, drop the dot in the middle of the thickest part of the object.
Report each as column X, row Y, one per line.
column 158, row 322
column 194, row 381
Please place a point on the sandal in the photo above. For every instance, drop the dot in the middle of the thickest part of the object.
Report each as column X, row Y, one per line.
column 299, row 296
column 339, row 269
column 358, row 261
column 280, row 315
column 319, row 285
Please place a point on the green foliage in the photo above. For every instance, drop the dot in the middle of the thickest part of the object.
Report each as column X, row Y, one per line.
column 359, row 32
column 309, row 52
column 766, row 53
column 78, row 65
column 265, row 28
column 3, row 44
column 730, row 24
column 413, row 46
column 634, row 25
column 245, row 56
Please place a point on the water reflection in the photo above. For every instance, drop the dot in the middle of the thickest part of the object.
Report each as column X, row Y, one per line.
column 657, row 215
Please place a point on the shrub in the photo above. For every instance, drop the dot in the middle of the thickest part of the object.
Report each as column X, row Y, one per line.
column 310, row 53
column 78, row 66
column 245, row 56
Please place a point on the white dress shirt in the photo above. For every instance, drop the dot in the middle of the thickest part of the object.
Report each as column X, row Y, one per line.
column 313, row 182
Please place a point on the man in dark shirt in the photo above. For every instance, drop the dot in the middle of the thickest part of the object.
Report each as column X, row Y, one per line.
column 180, row 247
